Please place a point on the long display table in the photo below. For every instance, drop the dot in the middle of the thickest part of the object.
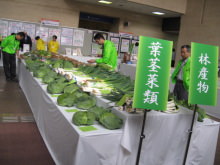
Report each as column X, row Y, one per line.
column 166, row 134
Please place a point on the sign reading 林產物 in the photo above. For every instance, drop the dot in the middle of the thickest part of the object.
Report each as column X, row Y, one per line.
column 152, row 74
column 203, row 74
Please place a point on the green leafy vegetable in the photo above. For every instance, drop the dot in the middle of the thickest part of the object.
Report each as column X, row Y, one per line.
column 83, row 118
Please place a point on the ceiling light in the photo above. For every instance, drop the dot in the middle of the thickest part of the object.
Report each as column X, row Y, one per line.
column 105, row 2
column 158, row 13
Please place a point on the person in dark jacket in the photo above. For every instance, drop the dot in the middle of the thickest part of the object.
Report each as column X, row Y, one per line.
column 26, row 40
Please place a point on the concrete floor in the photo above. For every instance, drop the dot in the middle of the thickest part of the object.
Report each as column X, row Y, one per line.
column 20, row 140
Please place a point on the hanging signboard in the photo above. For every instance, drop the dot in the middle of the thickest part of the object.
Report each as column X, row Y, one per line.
column 50, row 22
column 203, row 74
column 152, row 74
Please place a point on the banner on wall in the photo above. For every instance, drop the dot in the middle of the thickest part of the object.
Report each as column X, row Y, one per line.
column 152, row 74
column 203, row 74
column 50, row 22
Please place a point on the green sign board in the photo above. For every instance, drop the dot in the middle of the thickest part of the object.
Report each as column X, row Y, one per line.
column 203, row 74
column 152, row 74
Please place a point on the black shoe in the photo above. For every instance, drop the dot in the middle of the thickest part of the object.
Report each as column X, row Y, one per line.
column 14, row 79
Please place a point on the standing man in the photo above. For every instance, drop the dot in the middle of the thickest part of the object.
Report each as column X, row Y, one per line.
column 181, row 75
column 26, row 40
column 53, row 45
column 40, row 44
column 109, row 52
column 10, row 47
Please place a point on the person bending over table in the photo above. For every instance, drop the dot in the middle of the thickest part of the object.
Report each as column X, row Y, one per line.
column 109, row 55
column 10, row 47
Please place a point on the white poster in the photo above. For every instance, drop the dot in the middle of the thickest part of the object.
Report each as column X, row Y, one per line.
column 53, row 31
column 3, row 28
column 42, row 32
column 125, row 45
column 135, row 48
column 67, row 36
column 30, row 29
column 96, row 49
column 116, row 41
column 15, row 27
column 78, row 38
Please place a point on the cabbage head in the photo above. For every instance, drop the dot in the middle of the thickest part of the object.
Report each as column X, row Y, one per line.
column 83, row 118
column 66, row 100
column 110, row 121
column 98, row 111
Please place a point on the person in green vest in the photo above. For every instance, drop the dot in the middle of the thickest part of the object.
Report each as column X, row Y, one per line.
column 181, row 75
column 10, row 47
column 109, row 55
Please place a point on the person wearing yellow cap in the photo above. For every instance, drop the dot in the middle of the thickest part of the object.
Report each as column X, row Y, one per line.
column 53, row 45
column 40, row 44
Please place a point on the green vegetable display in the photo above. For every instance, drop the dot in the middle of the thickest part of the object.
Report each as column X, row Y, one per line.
column 41, row 72
column 71, row 88
column 49, row 77
column 110, row 121
column 66, row 99
column 56, row 87
column 98, row 111
column 85, row 102
column 83, row 118
column 67, row 65
column 57, row 64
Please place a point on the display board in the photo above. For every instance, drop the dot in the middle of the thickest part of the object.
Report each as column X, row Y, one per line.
column 125, row 43
column 78, row 38
column 66, row 36
column 116, row 41
column 30, row 29
column 96, row 49
column 15, row 27
column 135, row 48
column 42, row 32
column 3, row 28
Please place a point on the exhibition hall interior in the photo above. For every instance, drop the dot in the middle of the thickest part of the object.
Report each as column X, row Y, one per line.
column 109, row 82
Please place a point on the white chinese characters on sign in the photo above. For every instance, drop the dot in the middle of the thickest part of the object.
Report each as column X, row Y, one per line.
column 203, row 87
column 150, row 96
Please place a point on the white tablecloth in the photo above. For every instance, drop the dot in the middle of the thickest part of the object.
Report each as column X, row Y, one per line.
column 166, row 134
column 65, row 142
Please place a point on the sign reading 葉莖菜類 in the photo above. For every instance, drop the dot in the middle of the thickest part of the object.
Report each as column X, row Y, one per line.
column 203, row 74
column 152, row 74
